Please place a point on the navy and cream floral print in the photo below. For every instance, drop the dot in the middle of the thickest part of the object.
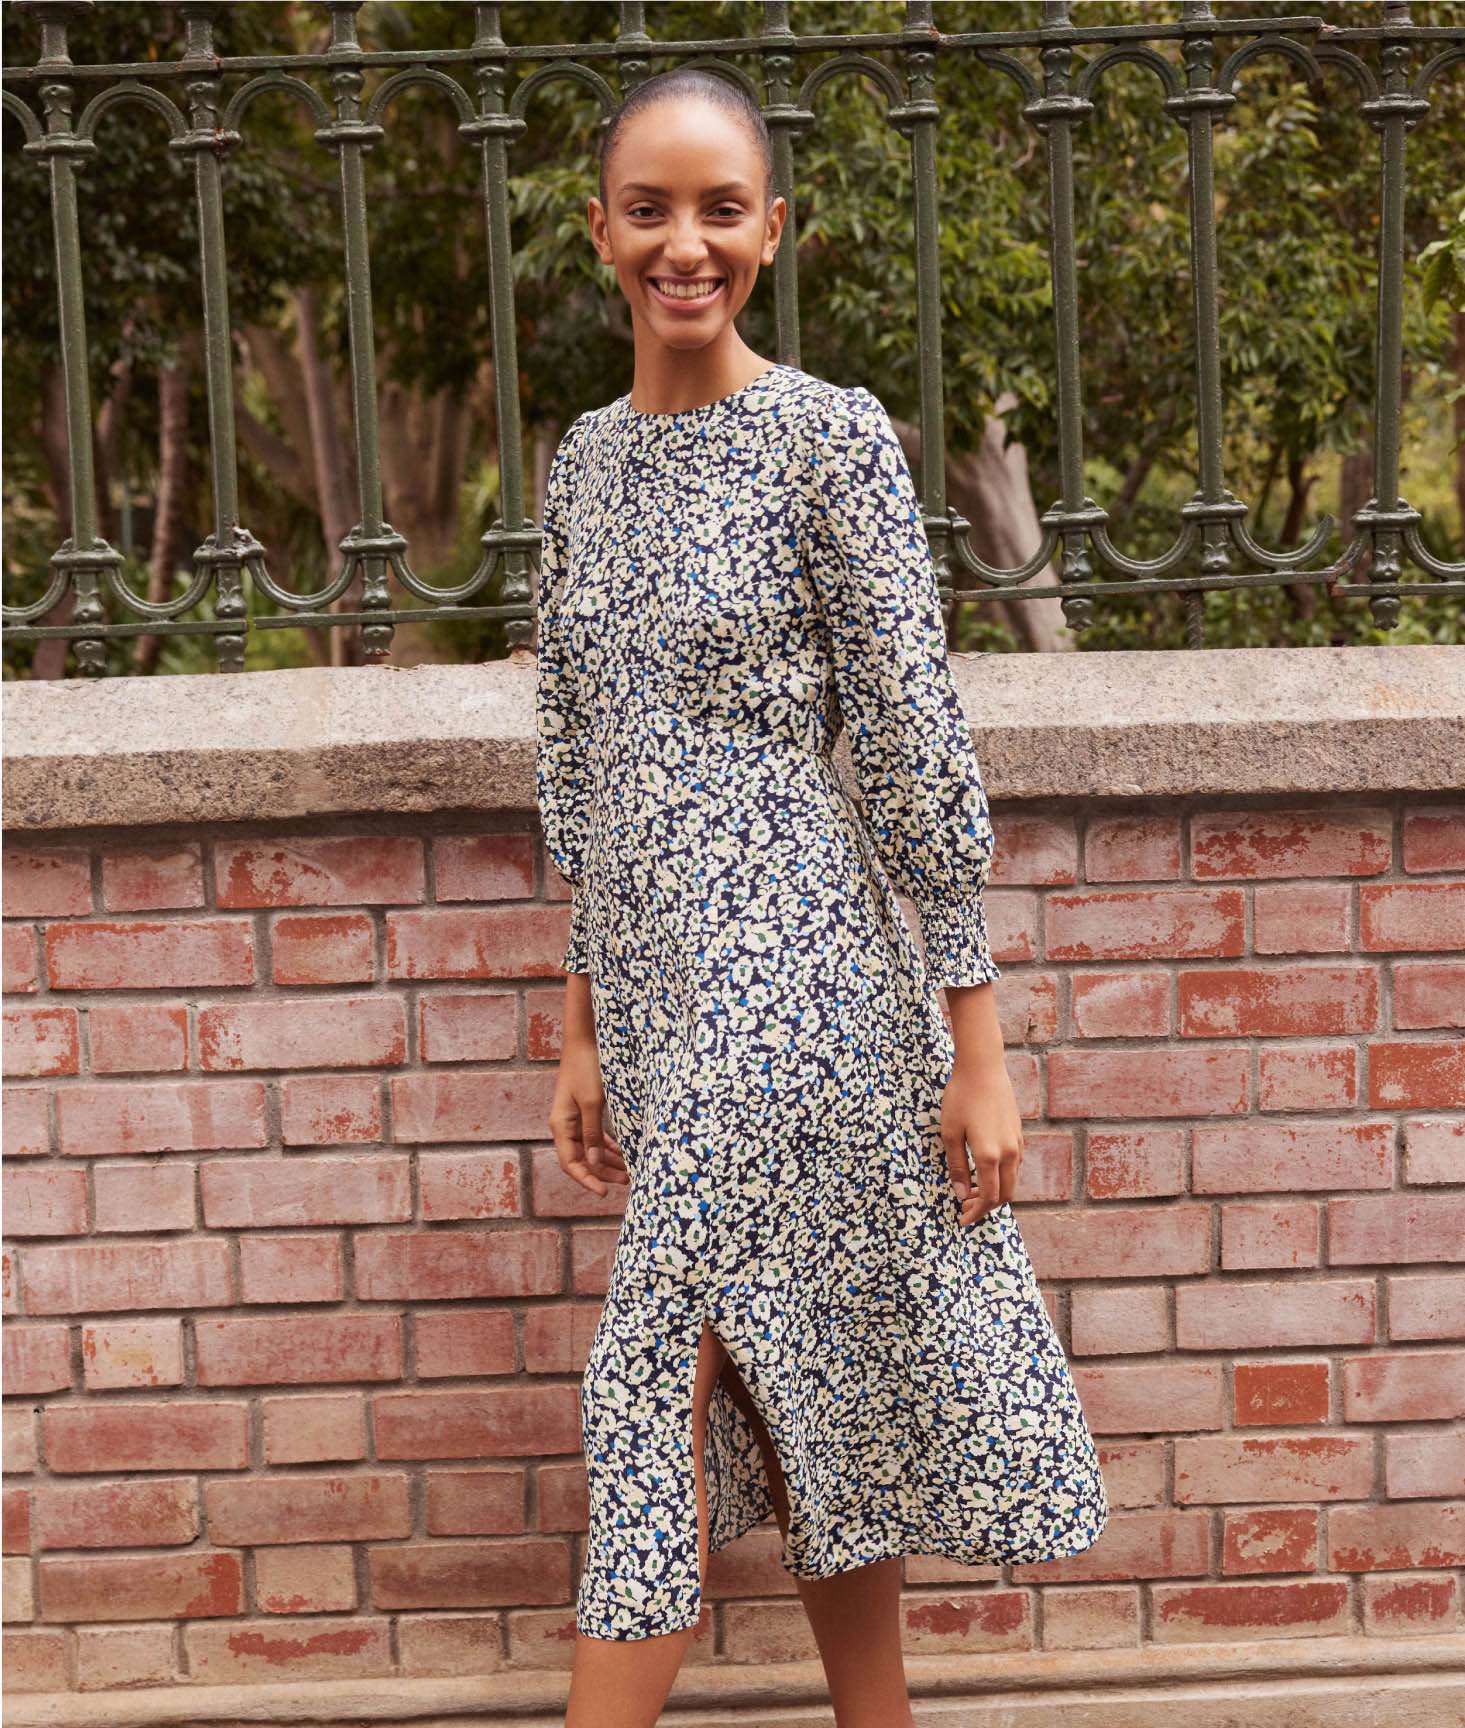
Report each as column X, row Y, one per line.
column 724, row 593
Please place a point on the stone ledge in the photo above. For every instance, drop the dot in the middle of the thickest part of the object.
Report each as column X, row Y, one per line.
column 270, row 746
column 1353, row 1682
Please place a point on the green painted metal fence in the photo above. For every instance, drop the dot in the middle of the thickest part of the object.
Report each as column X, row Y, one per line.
column 491, row 86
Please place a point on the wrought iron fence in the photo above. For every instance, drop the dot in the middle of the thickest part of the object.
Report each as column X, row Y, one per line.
column 491, row 86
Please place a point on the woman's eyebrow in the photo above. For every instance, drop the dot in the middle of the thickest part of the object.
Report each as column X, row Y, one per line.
column 662, row 191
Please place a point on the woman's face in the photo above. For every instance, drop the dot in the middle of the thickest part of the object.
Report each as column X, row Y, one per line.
column 686, row 224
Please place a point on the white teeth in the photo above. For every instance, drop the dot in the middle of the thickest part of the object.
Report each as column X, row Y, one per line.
column 685, row 290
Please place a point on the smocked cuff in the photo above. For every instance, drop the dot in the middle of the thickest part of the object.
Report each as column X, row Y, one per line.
column 954, row 935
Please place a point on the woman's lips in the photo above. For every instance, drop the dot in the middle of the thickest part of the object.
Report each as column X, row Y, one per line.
column 686, row 303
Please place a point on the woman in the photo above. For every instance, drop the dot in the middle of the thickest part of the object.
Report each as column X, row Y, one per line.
column 820, row 1304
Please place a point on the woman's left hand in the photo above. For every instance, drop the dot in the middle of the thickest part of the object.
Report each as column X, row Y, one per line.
column 981, row 1130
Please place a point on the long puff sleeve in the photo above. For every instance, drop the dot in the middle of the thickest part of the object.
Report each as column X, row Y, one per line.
column 919, row 787
column 562, row 726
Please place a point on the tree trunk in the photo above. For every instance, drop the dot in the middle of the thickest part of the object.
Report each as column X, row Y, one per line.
column 333, row 480
column 170, row 517
column 1460, row 418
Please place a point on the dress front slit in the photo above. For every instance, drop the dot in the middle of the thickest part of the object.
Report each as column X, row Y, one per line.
column 726, row 595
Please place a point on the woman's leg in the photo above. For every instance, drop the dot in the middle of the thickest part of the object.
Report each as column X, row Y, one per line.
column 623, row 1683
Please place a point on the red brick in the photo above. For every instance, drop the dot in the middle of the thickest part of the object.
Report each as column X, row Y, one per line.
column 161, row 1116
column 553, row 1194
column 1039, row 849
column 1143, row 1242
column 1119, row 1322
column 484, row 942
column 117, row 1354
column 1429, row 994
column 138, row 1037
column 179, row 954
column 18, row 1428
column 144, row 1197
column 1301, row 918
column 488, row 1422
column 564, row 1503
column 257, row 1193
column 16, row 1593
column 45, row 1202
column 185, row 1435
column 1407, row 1386
column 433, row 1266
column 305, row 1580
column 457, row 1342
column 1420, row 1466
column 1299, row 842
column 35, row 1661
column 290, row 1269
column 1434, row 839
column 312, row 1032
column 1431, row 1307
column 496, row 1104
column 1418, row 1075
column 1159, row 1544
column 1281, row 1394
column 1151, row 1398
column 1389, row 1538
column 251, row 1512
column 279, row 1650
column 1145, row 924
column 1307, row 1077
column 1120, row 1004
column 115, row 1656
column 299, row 1350
column 1411, row 916
column 26, row 1120
column 475, row 1502
column 157, row 878
column 439, row 1644
column 38, row 1041
column 471, row 1574
column 1135, row 1164
column 1434, row 1150
column 320, row 870
column 1287, row 1314
column 1305, row 1608
column 468, row 1026
column 1160, row 1082
column 1045, row 1171
column 323, row 948
column 483, row 866
column 9, row 1284
column 15, row 1520
column 1271, row 1157
column 1394, row 1606
column 1220, row 1469
column 330, row 1109
column 1278, row 1002
column 1284, row 1539
column 1091, row 1617
column 109, row 1276
column 46, row 883
column 557, row 1336
column 37, row 1359
column 469, row 1185
column 148, row 1514
column 1132, row 847
column 19, row 967
column 1396, row 1228
column 1271, row 1233
column 195, row 1586
column 330, row 1428
column 989, row 1619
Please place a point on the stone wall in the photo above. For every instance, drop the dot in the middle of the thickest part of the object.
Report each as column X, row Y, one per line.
column 297, row 1296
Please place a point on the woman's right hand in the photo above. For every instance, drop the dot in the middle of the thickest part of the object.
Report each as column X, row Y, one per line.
column 587, row 1149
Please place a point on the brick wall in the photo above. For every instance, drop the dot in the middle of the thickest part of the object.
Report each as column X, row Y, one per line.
column 298, row 1297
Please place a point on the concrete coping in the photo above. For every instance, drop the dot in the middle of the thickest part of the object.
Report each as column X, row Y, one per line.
column 1131, row 725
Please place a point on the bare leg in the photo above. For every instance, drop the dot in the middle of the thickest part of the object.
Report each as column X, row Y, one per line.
column 625, row 1682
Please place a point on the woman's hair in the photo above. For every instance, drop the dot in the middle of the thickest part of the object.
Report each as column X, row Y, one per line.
column 690, row 81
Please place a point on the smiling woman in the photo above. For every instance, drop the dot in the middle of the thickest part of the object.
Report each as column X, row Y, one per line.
column 820, row 1304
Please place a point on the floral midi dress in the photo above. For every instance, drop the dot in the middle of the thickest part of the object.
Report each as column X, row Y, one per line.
column 722, row 591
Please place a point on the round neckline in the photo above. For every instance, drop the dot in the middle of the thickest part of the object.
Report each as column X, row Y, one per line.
column 653, row 416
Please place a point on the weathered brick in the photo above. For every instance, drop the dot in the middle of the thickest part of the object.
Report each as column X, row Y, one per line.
column 290, row 1269
column 26, row 1122
column 439, row 1644
column 458, row 1342
column 305, row 1580
column 194, row 1586
column 1123, row 1321
column 1404, row 1386
column 1270, row 1157
column 1304, row 1608
column 1434, row 1150
column 483, row 866
column 488, row 1422
column 160, row 878
column 37, row 1359
column 144, row 1197
column 161, row 1116
column 1307, row 1077
column 1390, row 1537
column 475, row 1502
column 1434, row 838
column 1270, row 1233
column 1280, row 1394
column 185, row 1435
column 1428, row 1307
column 249, row 1512
column 298, row 1350
column 40, row 1201
column 314, row 1430
column 1091, row 1617
column 1405, row 916
column 990, row 1619
column 433, row 1266
column 1396, row 1228
column 259, row 1193
column 482, row 942
column 468, row 1026
column 41, row 1041
column 1137, row 1164
column 1278, row 1001
column 116, row 1656
column 1131, row 846
column 20, row 972
column 323, row 948
column 1268, row 844
column 141, row 954
column 1280, row 1539
column 276, row 1650
column 46, row 882
column 137, row 1037
column 312, row 1032
column 469, row 1185
column 516, row 1573
column 557, row 1336
column 497, row 1104
column 158, row 1513
column 1301, row 917
column 18, row 1428
column 1120, row 1004
column 1425, row 1465
column 1145, row 924
column 320, row 870
column 1429, row 994
column 1220, row 1469
column 1158, row 1544
column 330, row 1109
column 35, row 1661
column 1143, row 1242
column 1417, row 1075
column 1287, row 1314
column 109, row 1276
column 1151, row 1398
column 117, row 1354
column 1161, row 1082
column 1394, row 1606
column 17, row 1596
column 15, row 1520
